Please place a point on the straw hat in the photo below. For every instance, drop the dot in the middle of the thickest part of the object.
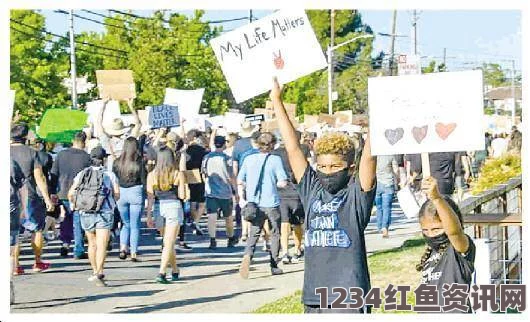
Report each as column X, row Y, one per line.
column 117, row 128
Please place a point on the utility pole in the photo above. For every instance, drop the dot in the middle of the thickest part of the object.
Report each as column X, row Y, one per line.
column 250, row 17
column 392, row 42
column 330, row 63
column 445, row 55
column 73, row 72
column 513, row 92
column 415, row 31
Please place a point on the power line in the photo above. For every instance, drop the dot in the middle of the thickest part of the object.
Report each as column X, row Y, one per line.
column 165, row 20
column 92, row 20
column 104, row 16
column 66, row 38
column 77, row 49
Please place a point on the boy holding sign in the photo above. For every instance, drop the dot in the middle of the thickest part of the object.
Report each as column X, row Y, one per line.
column 338, row 208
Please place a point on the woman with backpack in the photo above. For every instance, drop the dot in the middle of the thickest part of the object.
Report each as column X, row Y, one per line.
column 130, row 170
column 163, row 186
column 94, row 193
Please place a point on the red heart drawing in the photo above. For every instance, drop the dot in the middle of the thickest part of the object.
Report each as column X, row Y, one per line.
column 444, row 130
column 419, row 133
column 278, row 60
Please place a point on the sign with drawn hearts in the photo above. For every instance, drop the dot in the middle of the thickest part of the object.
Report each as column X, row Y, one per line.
column 438, row 112
column 393, row 136
column 282, row 44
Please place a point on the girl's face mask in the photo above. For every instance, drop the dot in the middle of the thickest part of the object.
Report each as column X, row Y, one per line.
column 334, row 182
column 437, row 241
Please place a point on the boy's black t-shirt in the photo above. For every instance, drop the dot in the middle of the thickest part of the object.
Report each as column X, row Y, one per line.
column 334, row 238
column 449, row 267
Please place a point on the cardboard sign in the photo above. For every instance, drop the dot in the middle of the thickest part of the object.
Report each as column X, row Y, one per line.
column 255, row 119
column 116, row 84
column 269, row 114
column 282, row 44
column 438, row 112
column 344, row 117
column 112, row 111
column 269, row 126
column 60, row 125
column 360, row 119
column 328, row 119
column 188, row 101
column 290, row 109
column 310, row 120
column 163, row 116
column 193, row 176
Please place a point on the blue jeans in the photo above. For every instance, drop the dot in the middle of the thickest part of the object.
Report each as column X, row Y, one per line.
column 383, row 201
column 79, row 243
column 130, row 205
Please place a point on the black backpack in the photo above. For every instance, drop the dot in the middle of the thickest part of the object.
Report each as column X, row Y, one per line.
column 89, row 195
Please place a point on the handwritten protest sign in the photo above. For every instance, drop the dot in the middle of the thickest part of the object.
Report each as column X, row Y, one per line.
column 282, row 44
column 310, row 120
column 112, row 111
column 60, row 125
column 233, row 121
column 290, row 109
column 116, row 84
column 328, row 119
column 188, row 101
column 439, row 112
column 255, row 119
column 163, row 116
column 344, row 117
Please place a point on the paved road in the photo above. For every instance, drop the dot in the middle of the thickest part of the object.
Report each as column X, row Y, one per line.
column 210, row 281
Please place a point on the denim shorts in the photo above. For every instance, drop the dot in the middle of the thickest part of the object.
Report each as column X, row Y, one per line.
column 36, row 213
column 171, row 210
column 99, row 220
column 13, row 237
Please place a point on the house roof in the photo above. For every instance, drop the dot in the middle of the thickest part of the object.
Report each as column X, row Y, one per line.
column 501, row 93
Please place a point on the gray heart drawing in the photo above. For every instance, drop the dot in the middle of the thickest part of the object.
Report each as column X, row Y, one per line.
column 394, row 135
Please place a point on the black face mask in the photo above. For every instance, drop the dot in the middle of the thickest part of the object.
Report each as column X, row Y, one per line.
column 335, row 181
column 437, row 241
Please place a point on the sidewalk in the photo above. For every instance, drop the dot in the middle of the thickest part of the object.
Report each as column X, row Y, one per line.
column 210, row 282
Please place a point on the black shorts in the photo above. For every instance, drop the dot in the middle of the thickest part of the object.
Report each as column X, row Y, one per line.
column 218, row 206
column 292, row 211
column 197, row 192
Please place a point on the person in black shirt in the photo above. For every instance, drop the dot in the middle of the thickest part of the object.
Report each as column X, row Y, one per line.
column 38, row 198
column 68, row 163
column 291, row 209
column 337, row 210
column 196, row 153
column 130, row 170
column 450, row 253
column 16, row 198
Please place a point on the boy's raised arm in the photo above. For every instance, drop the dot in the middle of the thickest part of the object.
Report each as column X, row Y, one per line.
column 367, row 167
column 296, row 157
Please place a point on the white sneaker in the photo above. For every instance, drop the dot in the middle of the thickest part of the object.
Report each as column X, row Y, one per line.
column 93, row 277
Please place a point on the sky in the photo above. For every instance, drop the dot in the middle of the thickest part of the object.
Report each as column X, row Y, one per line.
column 470, row 37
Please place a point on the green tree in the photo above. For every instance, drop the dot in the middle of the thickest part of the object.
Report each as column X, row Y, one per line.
column 352, row 66
column 493, row 75
column 35, row 76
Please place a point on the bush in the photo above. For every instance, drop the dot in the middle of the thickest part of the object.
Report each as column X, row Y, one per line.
column 496, row 171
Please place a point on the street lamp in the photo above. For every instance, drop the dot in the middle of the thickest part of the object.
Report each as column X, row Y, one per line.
column 330, row 68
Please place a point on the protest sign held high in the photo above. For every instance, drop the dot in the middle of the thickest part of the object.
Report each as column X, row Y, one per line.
column 282, row 44
column 255, row 119
column 60, row 125
column 116, row 84
column 188, row 101
column 112, row 111
column 163, row 116
column 440, row 112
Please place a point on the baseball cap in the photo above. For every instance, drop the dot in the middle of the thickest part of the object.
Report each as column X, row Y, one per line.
column 219, row 141
column 98, row 153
